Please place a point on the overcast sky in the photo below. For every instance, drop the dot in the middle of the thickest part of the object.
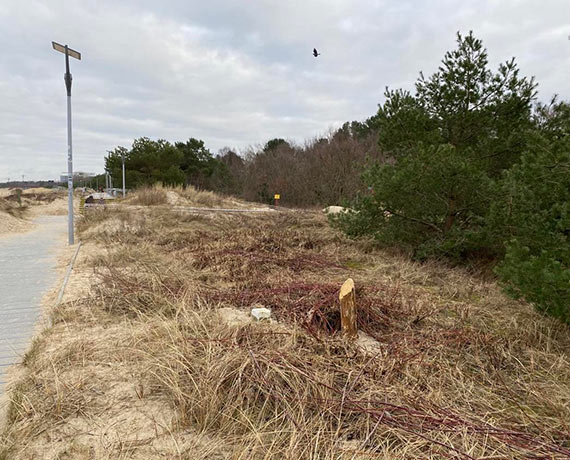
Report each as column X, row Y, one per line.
column 237, row 72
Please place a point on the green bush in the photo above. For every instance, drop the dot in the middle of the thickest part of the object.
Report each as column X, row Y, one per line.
column 447, row 143
column 532, row 212
column 538, row 276
column 474, row 172
column 429, row 202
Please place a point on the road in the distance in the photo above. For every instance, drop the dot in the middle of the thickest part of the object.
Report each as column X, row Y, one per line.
column 27, row 271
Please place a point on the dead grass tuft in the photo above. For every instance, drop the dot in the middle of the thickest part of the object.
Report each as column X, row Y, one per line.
column 149, row 196
column 13, row 205
column 283, row 393
column 182, row 196
column 194, row 197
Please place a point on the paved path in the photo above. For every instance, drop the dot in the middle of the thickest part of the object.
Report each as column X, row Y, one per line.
column 27, row 271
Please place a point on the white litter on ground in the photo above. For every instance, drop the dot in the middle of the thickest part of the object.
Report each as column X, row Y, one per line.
column 261, row 313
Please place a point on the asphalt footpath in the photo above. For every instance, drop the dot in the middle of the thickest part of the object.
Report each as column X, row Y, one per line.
column 27, row 272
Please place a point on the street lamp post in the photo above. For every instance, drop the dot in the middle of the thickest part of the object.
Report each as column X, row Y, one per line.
column 124, row 189
column 67, row 78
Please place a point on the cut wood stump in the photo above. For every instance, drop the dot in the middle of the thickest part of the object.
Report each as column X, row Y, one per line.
column 348, row 309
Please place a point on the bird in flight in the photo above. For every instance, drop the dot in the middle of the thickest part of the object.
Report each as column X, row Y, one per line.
column 315, row 52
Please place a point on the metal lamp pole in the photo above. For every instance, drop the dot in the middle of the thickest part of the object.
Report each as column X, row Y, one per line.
column 124, row 189
column 67, row 78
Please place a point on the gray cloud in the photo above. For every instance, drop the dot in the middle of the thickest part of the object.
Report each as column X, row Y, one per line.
column 236, row 73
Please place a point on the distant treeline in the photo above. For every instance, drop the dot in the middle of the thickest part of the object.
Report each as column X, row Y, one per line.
column 29, row 184
column 468, row 167
column 324, row 171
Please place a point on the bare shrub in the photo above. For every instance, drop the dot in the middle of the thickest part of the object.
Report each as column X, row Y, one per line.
column 323, row 171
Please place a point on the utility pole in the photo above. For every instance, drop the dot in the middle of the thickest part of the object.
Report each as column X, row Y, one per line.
column 67, row 78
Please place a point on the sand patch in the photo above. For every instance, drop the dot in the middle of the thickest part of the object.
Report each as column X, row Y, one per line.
column 233, row 316
column 368, row 344
column 57, row 207
column 172, row 198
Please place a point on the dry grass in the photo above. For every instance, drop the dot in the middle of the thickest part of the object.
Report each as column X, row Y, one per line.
column 16, row 206
column 17, row 201
column 182, row 196
column 448, row 367
column 205, row 198
column 13, row 204
column 149, row 196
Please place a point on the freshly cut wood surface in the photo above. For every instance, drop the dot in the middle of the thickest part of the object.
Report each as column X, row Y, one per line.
column 347, row 298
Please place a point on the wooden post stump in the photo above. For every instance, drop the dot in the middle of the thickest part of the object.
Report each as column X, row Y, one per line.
column 348, row 309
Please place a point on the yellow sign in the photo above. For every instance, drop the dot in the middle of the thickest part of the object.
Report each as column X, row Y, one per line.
column 277, row 196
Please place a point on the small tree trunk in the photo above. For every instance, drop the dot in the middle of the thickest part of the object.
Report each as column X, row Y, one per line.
column 348, row 309
column 450, row 218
